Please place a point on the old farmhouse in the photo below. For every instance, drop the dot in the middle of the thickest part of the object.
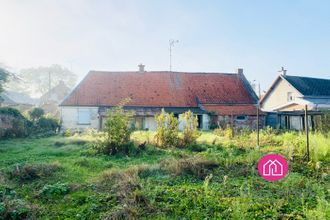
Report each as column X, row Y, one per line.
column 288, row 97
column 218, row 99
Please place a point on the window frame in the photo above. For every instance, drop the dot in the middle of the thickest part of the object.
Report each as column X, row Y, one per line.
column 290, row 96
column 86, row 122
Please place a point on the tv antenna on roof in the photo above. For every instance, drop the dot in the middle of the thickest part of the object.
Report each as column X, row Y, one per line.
column 171, row 44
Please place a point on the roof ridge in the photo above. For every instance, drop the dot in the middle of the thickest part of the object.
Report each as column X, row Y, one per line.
column 161, row 71
column 305, row 77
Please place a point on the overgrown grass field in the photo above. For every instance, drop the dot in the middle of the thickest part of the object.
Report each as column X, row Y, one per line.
column 63, row 178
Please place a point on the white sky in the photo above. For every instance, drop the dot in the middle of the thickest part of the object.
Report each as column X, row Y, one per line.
column 217, row 36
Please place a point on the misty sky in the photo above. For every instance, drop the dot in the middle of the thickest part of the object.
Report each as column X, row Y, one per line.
column 216, row 36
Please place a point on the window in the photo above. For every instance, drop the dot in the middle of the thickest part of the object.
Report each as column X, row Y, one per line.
column 241, row 117
column 84, row 116
column 290, row 97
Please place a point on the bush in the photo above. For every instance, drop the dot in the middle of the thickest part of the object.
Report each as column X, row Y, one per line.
column 15, row 125
column 167, row 134
column 190, row 131
column 12, row 207
column 28, row 172
column 56, row 189
column 117, row 132
column 48, row 124
column 36, row 113
column 10, row 112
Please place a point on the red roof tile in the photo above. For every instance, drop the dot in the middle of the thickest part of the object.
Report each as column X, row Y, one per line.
column 159, row 89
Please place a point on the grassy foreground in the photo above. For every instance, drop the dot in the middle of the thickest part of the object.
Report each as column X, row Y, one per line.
column 62, row 178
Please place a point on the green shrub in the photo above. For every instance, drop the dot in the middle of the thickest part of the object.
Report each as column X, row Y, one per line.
column 10, row 112
column 36, row 113
column 56, row 189
column 167, row 134
column 48, row 124
column 190, row 131
column 12, row 207
column 18, row 126
column 117, row 132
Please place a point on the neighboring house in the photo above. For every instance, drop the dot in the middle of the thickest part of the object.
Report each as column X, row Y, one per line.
column 214, row 97
column 56, row 94
column 50, row 100
column 289, row 95
column 17, row 100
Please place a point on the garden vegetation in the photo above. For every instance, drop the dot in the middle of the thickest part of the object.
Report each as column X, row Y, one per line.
column 197, row 175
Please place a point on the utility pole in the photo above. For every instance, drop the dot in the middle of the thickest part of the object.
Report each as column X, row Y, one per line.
column 49, row 83
column 171, row 44
column 258, row 130
column 255, row 89
column 306, row 131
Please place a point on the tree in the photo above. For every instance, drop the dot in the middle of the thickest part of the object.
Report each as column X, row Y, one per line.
column 36, row 81
column 4, row 74
column 36, row 113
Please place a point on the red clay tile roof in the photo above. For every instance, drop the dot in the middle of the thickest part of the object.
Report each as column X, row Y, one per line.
column 233, row 109
column 159, row 89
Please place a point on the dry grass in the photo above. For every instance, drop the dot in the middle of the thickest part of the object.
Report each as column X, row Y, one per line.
column 29, row 172
column 197, row 166
column 126, row 185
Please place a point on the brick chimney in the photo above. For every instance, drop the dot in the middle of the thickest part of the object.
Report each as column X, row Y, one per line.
column 240, row 71
column 141, row 68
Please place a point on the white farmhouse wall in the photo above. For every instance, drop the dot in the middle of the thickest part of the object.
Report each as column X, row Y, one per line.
column 150, row 123
column 69, row 116
column 279, row 96
column 206, row 122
